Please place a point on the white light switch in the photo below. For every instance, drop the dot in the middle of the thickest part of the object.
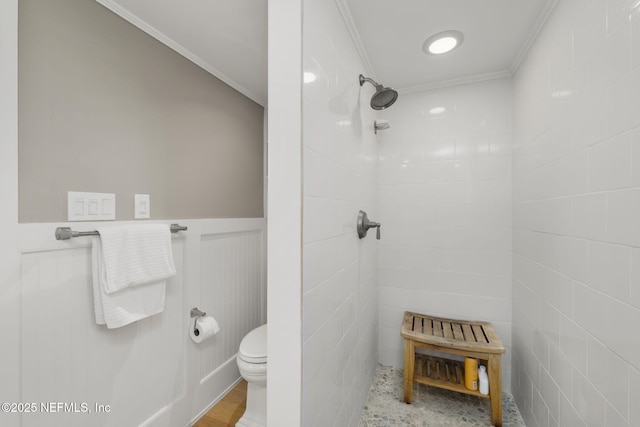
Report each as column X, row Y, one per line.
column 78, row 206
column 94, row 207
column 91, row 206
column 108, row 207
column 142, row 206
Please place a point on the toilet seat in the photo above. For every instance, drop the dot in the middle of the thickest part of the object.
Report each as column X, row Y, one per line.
column 253, row 348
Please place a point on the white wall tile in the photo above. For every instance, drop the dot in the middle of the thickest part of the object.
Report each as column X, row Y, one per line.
column 589, row 214
column 444, row 171
column 635, row 37
column 571, row 174
column 561, row 371
column 444, row 192
column 412, row 213
column 618, row 44
column 614, row 418
column 589, row 30
column 634, row 397
column 588, row 401
column 634, row 277
column 608, row 269
column 568, row 414
column 610, row 164
column 623, row 211
column 635, row 156
column 623, row 99
column 490, row 192
column 618, row 11
column 492, row 168
column 550, row 323
column 478, row 238
column 340, row 175
column 570, row 257
column 498, row 215
column 573, row 343
column 409, row 258
column 589, row 122
column 408, row 236
column 619, row 313
column 609, row 374
column 460, row 170
column 476, row 261
column 590, row 309
column 588, row 210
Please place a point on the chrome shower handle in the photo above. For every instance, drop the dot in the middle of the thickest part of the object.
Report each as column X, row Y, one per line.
column 364, row 225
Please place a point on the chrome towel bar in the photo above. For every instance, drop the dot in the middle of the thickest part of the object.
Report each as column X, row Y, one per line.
column 66, row 233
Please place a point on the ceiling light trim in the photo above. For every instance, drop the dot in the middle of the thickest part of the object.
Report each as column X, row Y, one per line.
column 164, row 39
column 347, row 17
column 438, row 38
column 544, row 16
column 455, row 82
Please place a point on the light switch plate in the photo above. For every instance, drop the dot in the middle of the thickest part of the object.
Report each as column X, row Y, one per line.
column 91, row 206
column 142, row 206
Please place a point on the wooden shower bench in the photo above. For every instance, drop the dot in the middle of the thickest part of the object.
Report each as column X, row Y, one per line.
column 459, row 337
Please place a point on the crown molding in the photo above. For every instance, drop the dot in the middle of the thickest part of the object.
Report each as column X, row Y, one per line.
column 172, row 44
column 455, row 82
column 355, row 36
column 548, row 8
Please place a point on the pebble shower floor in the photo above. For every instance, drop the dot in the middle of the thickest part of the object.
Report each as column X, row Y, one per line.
column 431, row 407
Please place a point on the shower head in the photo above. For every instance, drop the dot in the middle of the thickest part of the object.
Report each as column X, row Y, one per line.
column 384, row 96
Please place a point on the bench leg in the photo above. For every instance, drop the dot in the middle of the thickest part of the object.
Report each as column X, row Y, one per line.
column 409, row 366
column 495, row 389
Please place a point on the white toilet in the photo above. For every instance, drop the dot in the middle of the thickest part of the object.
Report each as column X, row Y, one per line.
column 252, row 362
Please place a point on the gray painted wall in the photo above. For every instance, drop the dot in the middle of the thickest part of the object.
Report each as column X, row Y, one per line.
column 104, row 107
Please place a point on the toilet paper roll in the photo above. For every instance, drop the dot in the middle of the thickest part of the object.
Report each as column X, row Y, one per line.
column 205, row 327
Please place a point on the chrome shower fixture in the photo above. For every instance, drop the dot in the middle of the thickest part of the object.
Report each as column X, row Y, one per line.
column 380, row 125
column 384, row 96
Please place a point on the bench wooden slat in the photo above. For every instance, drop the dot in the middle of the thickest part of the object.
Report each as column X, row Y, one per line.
column 479, row 333
column 491, row 334
column 446, row 329
column 458, row 334
column 468, row 333
column 457, row 331
column 437, row 329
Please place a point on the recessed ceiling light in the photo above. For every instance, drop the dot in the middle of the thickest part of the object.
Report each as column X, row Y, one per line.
column 443, row 42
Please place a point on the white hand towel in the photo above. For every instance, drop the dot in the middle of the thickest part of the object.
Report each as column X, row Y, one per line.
column 130, row 265
column 135, row 254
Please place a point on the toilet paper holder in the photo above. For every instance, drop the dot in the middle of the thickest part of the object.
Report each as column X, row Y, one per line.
column 196, row 314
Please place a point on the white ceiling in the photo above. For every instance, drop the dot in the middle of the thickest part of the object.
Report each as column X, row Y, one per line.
column 229, row 37
column 496, row 33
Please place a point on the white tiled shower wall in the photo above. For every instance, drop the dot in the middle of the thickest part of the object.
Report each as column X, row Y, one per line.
column 576, row 295
column 340, row 160
column 445, row 209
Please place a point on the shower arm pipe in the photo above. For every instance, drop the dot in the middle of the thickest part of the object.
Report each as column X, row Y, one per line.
column 367, row 79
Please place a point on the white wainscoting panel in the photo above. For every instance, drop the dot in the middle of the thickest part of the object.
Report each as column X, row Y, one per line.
column 229, row 286
column 150, row 372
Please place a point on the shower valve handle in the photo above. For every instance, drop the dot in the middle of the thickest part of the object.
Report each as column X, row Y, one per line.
column 364, row 225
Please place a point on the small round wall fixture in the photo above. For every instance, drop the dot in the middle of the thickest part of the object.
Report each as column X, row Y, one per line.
column 442, row 42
